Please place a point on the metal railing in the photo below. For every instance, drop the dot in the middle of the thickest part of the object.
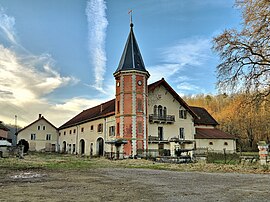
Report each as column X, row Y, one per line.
column 158, row 118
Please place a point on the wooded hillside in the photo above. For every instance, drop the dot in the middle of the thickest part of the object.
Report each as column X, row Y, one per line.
column 237, row 114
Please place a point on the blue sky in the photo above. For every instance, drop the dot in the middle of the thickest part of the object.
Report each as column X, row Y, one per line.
column 57, row 57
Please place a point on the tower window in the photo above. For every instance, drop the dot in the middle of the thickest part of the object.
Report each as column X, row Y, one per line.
column 140, row 128
column 140, row 105
column 118, row 106
column 118, row 129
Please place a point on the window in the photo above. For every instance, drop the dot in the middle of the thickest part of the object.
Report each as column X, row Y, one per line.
column 33, row 136
column 118, row 129
column 38, row 127
column 111, row 130
column 48, row 137
column 92, row 127
column 74, row 130
column 74, row 148
column 64, row 132
column 182, row 114
column 44, row 127
column 226, row 143
column 118, row 106
column 140, row 128
column 160, row 111
column 70, row 131
column 160, row 133
column 210, row 143
column 100, row 127
column 59, row 133
column 155, row 110
column 82, row 129
column 140, row 108
column 181, row 133
column 164, row 111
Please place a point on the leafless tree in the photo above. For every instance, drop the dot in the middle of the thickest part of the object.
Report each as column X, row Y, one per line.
column 245, row 53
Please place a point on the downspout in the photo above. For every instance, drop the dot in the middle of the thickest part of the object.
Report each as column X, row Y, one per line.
column 77, row 134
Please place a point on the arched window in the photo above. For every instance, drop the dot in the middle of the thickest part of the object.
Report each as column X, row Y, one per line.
column 164, row 111
column 155, row 110
column 160, row 113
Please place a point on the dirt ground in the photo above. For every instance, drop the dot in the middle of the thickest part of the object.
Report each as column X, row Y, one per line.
column 125, row 184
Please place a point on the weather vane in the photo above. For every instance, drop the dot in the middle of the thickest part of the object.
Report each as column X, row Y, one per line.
column 130, row 13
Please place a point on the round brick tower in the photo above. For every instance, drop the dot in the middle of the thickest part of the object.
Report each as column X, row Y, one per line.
column 131, row 98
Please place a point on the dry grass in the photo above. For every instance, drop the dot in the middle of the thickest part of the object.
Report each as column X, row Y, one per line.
column 71, row 162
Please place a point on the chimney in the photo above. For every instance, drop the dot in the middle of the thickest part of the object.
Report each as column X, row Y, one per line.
column 101, row 108
column 39, row 116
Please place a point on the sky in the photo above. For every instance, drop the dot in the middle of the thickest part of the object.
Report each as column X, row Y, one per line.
column 57, row 58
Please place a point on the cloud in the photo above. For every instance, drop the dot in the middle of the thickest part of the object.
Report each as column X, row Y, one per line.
column 26, row 79
column 97, row 25
column 177, row 61
column 7, row 26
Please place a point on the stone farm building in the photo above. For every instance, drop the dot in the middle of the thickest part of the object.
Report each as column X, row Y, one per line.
column 40, row 135
column 142, row 119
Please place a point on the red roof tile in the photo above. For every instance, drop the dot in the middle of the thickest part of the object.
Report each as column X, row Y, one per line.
column 108, row 108
column 97, row 112
column 212, row 133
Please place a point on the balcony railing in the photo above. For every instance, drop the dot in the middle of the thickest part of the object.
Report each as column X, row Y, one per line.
column 161, row 119
column 156, row 139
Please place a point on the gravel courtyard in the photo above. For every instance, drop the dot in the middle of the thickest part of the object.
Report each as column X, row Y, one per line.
column 127, row 184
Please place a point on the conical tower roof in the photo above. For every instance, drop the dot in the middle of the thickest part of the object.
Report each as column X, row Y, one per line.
column 131, row 58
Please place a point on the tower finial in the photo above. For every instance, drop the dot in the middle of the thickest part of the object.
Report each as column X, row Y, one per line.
column 130, row 13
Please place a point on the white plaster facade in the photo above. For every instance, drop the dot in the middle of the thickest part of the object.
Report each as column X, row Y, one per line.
column 41, row 136
column 217, row 145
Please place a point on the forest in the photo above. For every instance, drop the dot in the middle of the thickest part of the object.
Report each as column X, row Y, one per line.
column 238, row 114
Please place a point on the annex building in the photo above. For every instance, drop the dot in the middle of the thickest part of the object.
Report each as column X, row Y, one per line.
column 143, row 119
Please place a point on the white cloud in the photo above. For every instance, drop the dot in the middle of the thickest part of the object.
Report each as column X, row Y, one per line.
column 97, row 25
column 7, row 26
column 187, row 53
column 26, row 79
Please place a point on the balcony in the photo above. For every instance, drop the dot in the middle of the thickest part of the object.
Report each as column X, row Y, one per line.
column 156, row 139
column 161, row 119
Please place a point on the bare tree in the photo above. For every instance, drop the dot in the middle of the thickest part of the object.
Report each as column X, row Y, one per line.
column 245, row 53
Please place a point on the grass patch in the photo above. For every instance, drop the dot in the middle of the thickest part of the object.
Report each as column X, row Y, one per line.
column 61, row 162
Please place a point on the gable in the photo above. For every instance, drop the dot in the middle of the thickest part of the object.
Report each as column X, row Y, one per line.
column 160, row 89
column 35, row 123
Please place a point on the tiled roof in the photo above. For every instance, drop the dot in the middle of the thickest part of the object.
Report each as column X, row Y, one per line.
column 108, row 108
column 203, row 117
column 2, row 127
column 131, row 58
column 97, row 112
column 212, row 133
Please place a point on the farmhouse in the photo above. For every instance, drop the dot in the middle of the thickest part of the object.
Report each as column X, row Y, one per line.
column 40, row 135
column 142, row 119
